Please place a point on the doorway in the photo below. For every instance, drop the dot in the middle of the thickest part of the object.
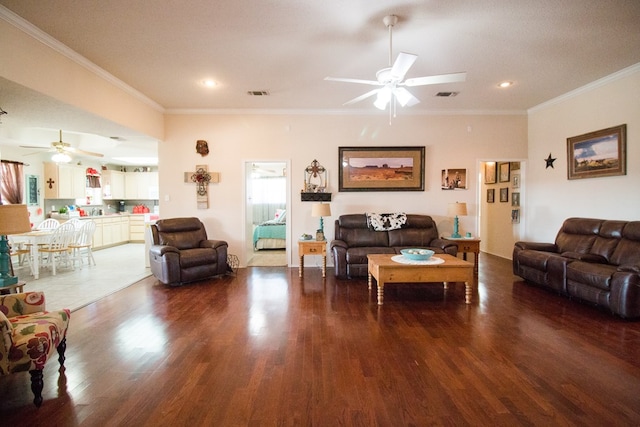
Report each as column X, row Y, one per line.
column 267, row 213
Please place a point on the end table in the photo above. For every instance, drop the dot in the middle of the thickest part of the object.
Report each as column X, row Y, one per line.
column 466, row 245
column 312, row 247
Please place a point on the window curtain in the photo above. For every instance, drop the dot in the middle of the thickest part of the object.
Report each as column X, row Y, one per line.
column 268, row 194
column 12, row 182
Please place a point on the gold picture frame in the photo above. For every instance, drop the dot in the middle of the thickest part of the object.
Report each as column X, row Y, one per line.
column 597, row 154
column 490, row 176
column 504, row 169
column 381, row 168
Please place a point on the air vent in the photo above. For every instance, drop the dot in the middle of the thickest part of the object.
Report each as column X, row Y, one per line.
column 447, row 94
column 258, row 93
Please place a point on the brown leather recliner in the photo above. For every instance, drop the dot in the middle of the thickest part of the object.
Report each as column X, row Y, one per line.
column 181, row 253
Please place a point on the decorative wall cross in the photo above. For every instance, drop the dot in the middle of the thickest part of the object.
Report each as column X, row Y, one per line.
column 51, row 182
column 202, row 177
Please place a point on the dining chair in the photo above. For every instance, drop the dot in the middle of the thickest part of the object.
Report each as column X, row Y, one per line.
column 56, row 248
column 81, row 245
column 48, row 224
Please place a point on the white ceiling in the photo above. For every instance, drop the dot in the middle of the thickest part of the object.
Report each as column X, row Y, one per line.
column 165, row 49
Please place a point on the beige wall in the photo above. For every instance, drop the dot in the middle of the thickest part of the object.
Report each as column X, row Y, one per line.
column 31, row 63
column 550, row 196
column 450, row 141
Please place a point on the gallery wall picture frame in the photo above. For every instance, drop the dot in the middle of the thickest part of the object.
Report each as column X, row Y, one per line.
column 490, row 176
column 491, row 195
column 515, row 180
column 33, row 191
column 598, row 154
column 381, row 168
column 453, row 179
column 515, row 199
column 515, row 216
column 504, row 194
column 504, row 168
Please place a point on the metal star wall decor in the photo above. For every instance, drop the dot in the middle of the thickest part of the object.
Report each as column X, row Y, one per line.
column 549, row 161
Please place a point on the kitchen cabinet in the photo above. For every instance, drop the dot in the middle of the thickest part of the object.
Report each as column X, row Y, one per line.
column 141, row 185
column 111, row 231
column 136, row 228
column 113, row 185
column 63, row 181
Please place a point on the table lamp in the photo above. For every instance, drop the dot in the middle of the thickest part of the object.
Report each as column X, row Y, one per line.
column 14, row 219
column 320, row 210
column 457, row 209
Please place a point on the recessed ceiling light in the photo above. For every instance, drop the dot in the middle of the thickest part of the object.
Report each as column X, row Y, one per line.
column 208, row 83
column 505, row 84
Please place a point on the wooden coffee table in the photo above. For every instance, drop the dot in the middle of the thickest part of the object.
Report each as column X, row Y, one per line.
column 385, row 270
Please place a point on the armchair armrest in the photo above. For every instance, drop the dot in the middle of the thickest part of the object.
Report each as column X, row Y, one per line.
column 339, row 244
column 214, row 244
column 13, row 305
column 592, row 258
column 160, row 250
column 629, row 268
column 537, row 246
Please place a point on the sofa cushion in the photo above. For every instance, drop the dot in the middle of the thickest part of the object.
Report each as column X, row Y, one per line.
column 198, row 256
column 628, row 249
column 590, row 274
column 359, row 255
column 578, row 235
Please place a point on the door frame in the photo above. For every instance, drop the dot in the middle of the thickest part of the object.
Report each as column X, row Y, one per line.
column 247, row 165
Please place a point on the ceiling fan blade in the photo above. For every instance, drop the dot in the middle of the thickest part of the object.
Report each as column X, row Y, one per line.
column 435, row 80
column 404, row 61
column 35, row 147
column 361, row 97
column 364, row 82
column 404, row 97
column 87, row 153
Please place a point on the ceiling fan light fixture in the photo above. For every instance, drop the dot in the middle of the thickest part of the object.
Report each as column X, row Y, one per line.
column 61, row 158
column 383, row 98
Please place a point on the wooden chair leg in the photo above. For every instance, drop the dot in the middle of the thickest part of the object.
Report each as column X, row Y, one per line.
column 36, row 386
column 62, row 347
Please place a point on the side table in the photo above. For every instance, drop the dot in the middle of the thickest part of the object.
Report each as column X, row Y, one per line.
column 16, row 288
column 466, row 245
column 312, row 247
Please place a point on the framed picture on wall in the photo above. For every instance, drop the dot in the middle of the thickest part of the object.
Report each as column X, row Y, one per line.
column 504, row 169
column 515, row 180
column 381, row 168
column 490, row 173
column 454, row 179
column 599, row 153
column 515, row 216
column 491, row 195
column 33, row 192
column 504, row 194
column 515, row 199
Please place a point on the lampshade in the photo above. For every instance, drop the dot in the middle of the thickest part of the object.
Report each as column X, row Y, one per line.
column 321, row 209
column 457, row 209
column 14, row 219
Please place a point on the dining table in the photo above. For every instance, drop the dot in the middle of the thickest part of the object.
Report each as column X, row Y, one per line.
column 34, row 238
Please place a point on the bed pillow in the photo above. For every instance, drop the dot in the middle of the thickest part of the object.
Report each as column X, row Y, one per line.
column 282, row 218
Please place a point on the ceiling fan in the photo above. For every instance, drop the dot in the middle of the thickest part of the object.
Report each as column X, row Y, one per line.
column 62, row 150
column 391, row 79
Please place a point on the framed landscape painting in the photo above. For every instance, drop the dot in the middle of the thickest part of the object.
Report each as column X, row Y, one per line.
column 597, row 154
column 381, row 168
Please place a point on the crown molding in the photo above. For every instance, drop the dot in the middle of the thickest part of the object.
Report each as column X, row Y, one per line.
column 44, row 38
column 334, row 112
column 625, row 72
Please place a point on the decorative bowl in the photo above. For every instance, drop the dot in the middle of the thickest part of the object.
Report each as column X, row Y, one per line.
column 417, row 254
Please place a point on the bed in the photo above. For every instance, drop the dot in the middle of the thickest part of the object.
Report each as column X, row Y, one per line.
column 271, row 234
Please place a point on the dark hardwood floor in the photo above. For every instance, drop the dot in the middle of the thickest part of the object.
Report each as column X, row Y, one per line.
column 266, row 348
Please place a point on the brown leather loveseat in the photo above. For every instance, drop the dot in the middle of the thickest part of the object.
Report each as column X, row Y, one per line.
column 181, row 253
column 594, row 260
column 355, row 239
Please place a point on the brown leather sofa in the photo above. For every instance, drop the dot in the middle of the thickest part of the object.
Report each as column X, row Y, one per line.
column 354, row 240
column 181, row 253
column 594, row 260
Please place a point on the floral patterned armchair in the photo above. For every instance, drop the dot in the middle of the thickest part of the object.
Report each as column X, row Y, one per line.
column 30, row 336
